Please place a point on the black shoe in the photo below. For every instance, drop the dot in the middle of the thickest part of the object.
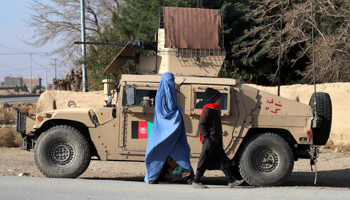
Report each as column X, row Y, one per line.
column 190, row 178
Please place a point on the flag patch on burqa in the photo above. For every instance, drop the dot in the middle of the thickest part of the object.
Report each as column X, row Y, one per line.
column 141, row 129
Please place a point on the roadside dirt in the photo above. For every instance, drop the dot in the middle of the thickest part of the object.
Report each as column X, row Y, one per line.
column 333, row 168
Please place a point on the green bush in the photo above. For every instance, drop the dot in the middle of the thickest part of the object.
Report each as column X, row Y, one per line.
column 25, row 88
column 34, row 90
column 16, row 88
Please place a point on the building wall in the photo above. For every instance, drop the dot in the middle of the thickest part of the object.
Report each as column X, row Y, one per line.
column 36, row 82
column 13, row 81
column 20, row 82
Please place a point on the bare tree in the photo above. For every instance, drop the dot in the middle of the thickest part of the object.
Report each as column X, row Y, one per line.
column 331, row 27
column 61, row 20
column 332, row 47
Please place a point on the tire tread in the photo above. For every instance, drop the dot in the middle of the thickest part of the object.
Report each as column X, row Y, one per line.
column 82, row 140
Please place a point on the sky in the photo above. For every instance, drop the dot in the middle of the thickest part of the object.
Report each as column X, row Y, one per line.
column 15, row 54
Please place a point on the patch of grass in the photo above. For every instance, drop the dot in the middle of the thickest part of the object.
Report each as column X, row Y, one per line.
column 8, row 114
column 9, row 137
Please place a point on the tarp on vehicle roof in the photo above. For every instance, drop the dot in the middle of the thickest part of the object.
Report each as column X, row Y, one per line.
column 192, row 28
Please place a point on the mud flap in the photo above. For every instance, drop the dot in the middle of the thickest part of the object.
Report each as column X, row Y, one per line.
column 315, row 152
column 21, row 123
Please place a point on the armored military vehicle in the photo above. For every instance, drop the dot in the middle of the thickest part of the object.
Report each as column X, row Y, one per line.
column 264, row 134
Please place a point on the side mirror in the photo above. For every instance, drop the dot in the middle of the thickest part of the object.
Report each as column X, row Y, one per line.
column 131, row 96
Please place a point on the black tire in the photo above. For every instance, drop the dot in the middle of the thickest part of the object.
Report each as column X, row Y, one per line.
column 266, row 160
column 324, row 111
column 62, row 152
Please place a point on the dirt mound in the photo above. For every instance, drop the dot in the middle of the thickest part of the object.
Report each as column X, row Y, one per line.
column 51, row 100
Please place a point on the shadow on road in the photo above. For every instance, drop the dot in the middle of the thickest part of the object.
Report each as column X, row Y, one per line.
column 335, row 178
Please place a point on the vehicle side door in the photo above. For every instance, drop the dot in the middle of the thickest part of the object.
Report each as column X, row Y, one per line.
column 137, row 120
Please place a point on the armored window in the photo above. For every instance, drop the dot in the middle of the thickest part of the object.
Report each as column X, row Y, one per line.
column 199, row 100
column 145, row 98
column 145, row 95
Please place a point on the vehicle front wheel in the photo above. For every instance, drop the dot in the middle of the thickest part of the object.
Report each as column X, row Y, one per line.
column 266, row 160
column 62, row 152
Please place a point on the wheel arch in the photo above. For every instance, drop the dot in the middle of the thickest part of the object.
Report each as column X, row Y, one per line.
column 283, row 133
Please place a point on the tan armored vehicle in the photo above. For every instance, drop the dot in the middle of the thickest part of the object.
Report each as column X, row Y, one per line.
column 263, row 133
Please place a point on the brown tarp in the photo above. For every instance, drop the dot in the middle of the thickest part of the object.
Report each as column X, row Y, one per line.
column 192, row 28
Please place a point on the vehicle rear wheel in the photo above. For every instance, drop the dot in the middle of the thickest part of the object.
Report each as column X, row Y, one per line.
column 62, row 152
column 324, row 111
column 266, row 160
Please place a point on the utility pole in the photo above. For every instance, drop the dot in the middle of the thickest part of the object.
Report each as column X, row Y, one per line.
column 30, row 87
column 45, row 78
column 55, row 68
column 82, row 6
column 55, row 72
column 30, row 64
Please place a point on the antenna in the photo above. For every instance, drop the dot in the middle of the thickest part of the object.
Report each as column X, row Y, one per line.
column 313, row 46
column 313, row 62
column 280, row 56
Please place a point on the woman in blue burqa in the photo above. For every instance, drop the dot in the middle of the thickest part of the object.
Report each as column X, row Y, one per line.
column 168, row 153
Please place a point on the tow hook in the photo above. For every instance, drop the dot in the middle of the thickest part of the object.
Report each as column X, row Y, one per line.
column 315, row 152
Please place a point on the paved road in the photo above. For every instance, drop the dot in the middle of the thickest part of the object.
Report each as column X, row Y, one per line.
column 19, row 98
column 14, row 188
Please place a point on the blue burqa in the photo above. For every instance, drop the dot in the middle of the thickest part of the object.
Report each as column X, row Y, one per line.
column 168, row 135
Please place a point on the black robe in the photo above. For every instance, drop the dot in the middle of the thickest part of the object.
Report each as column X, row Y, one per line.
column 213, row 156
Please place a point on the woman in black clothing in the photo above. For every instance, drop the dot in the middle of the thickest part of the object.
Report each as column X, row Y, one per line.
column 213, row 156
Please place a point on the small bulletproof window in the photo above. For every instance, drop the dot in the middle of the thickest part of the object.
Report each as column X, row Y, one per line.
column 130, row 96
column 145, row 94
column 145, row 98
column 201, row 100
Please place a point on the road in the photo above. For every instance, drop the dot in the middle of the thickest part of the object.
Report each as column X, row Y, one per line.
column 14, row 187
column 16, row 98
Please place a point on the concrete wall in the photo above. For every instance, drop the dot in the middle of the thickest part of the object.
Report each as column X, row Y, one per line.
column 13, row 81
column 36, row 82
